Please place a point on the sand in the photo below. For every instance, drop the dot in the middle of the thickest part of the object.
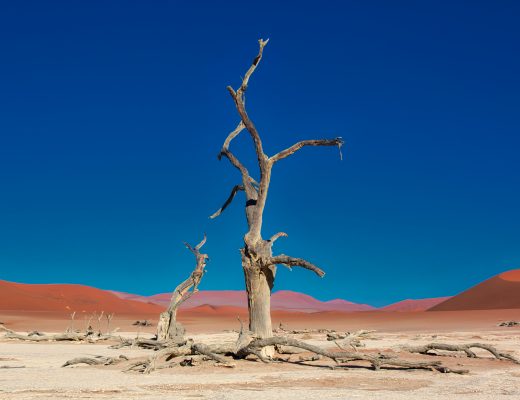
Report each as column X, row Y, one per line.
column 42, row 377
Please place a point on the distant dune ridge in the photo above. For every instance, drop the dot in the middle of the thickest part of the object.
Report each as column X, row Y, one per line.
column 499, row 292
column 68, row 298
column 281, row 300
column 414, row 305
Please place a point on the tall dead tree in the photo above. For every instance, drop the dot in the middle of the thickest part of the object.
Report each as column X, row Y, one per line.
column 258, row 261
column 168, row 327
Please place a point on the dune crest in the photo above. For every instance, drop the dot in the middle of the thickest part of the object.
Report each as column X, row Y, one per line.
column 499, row 292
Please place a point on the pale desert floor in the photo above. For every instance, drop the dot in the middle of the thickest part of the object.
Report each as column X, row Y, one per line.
column 43, row 378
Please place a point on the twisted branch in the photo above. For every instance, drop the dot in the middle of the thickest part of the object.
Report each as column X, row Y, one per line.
column 296, row 262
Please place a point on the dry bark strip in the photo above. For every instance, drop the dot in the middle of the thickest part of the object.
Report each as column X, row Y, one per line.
column 466, row 348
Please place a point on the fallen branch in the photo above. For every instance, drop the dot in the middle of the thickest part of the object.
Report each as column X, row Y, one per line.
column 466, row 348
column 96, row 360
column 66, row 337
column 376, row 361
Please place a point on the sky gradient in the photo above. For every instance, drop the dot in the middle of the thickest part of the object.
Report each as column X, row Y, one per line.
column 112, row 115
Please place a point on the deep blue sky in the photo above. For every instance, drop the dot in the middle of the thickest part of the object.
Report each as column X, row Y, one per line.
column 112, row 114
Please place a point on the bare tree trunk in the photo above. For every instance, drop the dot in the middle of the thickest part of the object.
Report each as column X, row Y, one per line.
column 258, row 263
column 168, row 327
column 258, row 287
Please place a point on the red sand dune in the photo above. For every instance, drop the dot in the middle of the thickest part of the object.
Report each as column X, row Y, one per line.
column 67, row 298
column 500, row 292
column 280, row 300
column 294, row 301
column 414, row 305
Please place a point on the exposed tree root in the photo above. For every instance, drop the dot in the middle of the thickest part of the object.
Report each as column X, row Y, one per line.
column 191, row 353
column 342, row 357
column 466, row 348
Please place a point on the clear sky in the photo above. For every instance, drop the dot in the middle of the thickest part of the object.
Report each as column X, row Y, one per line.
column 112, row 114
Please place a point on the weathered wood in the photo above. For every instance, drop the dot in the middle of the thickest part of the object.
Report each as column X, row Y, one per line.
column 97, row 360
column 258, row 262
column 375, row 360
column 466, row 348
column 59, row 337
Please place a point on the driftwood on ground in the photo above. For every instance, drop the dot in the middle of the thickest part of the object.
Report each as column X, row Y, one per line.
column 466, row 348
column 247, row 345
column 35, row 336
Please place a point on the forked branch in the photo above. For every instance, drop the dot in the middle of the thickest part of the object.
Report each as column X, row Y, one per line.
column 239, row 99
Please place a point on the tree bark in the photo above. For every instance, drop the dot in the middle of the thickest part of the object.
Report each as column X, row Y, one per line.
column 258, row 287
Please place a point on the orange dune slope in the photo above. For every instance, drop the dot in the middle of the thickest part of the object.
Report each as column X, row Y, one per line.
column 414, row 305
column 68, row 298
column 500, row 292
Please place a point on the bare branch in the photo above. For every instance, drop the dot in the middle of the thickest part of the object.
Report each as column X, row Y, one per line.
column 313, row 142
column 256, row 61
column 195, row 250
column 232, row 195
column 297, row 262
column 239, row 99
column 202, row 242
column 275, row 237
column 230, row 156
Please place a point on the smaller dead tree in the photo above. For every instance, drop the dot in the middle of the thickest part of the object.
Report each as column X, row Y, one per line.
column 71, row 325
column 168, row 327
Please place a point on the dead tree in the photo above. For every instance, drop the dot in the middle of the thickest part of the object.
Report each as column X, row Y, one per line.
column 258, row 262
column 168, row 327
